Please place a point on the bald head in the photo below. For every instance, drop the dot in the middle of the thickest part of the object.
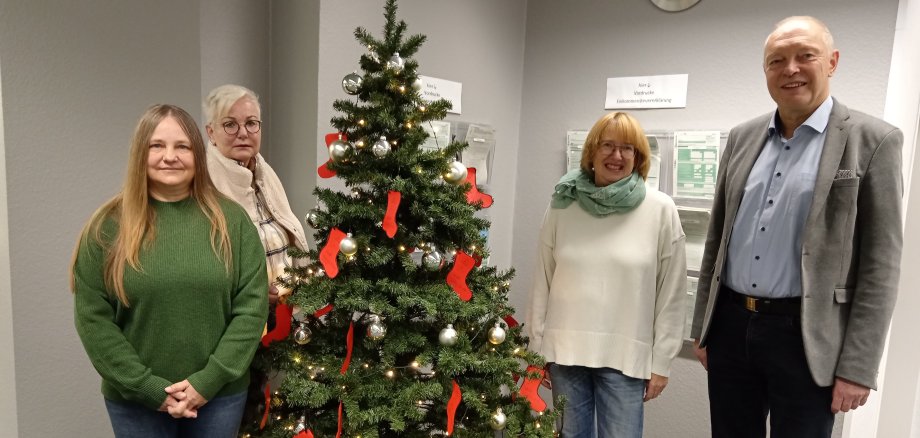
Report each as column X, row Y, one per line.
column 803, row 22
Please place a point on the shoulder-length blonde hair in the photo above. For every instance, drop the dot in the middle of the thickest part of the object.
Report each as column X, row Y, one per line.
column 629, row 130
column 131, row 211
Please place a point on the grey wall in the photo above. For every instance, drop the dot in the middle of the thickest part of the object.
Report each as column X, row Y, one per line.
column 479, row 43
column 75, row 79
column 293, row 90
column 8, row 408
column 572, row 47
column 235, row 49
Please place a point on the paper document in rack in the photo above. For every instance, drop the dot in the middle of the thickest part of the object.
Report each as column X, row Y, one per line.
column 696, row 163
column 574, row 142
column 695, row 222
column 654, row 169
column 481, row 140
column 438, row 134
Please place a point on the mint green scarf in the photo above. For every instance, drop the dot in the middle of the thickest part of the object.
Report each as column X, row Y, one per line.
column 619, row 197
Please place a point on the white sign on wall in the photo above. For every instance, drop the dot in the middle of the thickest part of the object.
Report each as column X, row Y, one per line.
column 663, row 91
column 434, row 89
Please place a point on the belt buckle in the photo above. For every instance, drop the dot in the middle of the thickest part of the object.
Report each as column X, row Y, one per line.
column 750, row 303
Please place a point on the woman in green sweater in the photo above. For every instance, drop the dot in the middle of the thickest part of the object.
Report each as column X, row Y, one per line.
column 169, row 285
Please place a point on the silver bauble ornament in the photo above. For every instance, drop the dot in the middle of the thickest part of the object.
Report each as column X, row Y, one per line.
column 301, row 425
column 381, row 147
column 312, row 218
column 348, row 245
column 303, row 335
column 497, row 334
column 351, row 83
column 498, row 420
column 396, row 63
column 376, row 330
column 448, row 336
column 456, row 173
column 417, row 84
column 319, row 272
column 339, row 151
column 432, row 261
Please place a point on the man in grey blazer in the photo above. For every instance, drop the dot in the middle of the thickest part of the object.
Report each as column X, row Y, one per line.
column 800, row 270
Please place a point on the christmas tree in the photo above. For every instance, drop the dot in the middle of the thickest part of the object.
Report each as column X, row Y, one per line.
column 397, row 330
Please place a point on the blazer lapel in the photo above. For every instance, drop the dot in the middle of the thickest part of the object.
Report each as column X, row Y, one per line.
column 831, row 154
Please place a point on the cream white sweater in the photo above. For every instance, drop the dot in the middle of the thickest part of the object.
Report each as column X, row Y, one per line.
column 611, row 291
column 236, row 181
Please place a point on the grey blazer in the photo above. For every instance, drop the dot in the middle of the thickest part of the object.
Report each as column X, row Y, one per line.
column 851, row 249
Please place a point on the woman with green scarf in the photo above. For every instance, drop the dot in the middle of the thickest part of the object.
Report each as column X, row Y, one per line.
column 607, row 308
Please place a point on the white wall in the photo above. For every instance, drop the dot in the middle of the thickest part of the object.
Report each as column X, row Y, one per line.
column 572, row 47
column 479, row 43
column 890, row 412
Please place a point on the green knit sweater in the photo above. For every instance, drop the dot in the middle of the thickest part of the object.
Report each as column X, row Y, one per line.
column 188, row 319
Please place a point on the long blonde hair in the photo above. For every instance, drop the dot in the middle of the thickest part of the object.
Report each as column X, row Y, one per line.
column 131, row 211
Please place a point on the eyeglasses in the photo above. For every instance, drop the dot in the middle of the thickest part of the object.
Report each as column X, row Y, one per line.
column 231, row 127
column 626, row 151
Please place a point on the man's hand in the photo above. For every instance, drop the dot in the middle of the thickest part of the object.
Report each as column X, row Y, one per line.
column 654, row 386
column 272, row 294
column 848, row 395
column 700, row 354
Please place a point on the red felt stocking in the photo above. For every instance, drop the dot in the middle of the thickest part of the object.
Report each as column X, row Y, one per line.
column 330, row 251
column 268, row 403
column 282, row 325
column 456, row 278
column 474, row 195
column 452, row 407
column 324, row 171
column 389, row 219
column 530, row 390
column 349, row 344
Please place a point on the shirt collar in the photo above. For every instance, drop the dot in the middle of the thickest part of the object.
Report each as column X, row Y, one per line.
column 817, row 121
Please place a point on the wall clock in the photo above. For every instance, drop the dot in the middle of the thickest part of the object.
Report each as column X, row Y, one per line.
column 674, row 5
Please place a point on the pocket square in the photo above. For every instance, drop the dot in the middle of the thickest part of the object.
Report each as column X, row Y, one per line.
column 845, row 174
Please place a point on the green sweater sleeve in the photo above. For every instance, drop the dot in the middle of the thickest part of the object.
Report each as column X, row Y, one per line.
column 114, row 358
column 234, row 352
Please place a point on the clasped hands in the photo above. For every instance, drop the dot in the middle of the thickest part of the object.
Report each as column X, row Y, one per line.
column 182, row 401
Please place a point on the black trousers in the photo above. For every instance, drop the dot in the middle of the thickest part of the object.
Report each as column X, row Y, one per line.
column 757, row 367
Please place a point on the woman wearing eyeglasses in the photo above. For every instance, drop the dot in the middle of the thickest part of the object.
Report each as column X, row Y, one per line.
column 607, row 307
column 234, row 128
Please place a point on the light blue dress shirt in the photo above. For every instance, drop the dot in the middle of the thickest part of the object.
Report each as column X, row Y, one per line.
column 765, row 248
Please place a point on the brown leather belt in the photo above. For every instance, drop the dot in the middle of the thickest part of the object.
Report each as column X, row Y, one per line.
column 772, row 306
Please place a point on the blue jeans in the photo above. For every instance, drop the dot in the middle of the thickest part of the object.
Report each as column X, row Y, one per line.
column 757, row 366
column 615, row 399
column 219, row 418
